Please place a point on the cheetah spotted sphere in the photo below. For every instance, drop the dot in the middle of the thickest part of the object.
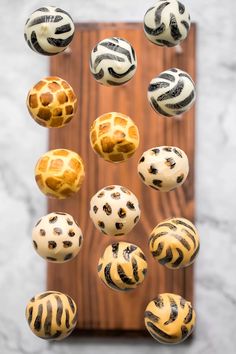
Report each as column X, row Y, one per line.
column 114, row 137
column 57, row 237
column 169, row 318
column 122, row 266
column 52, row 102
column 114, row 210
column 59, row 173
column 163, row 168
column 51, row 315
column 174, row 243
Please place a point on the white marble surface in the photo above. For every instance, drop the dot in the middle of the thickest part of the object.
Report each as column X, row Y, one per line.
column 22, row 273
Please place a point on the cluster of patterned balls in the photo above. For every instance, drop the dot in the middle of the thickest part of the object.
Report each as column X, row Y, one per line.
column 114, row 210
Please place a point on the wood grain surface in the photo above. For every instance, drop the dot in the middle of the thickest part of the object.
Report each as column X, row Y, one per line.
column 99, row 307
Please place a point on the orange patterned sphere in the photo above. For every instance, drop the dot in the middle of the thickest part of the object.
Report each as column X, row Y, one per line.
column 114, row 136
column 59, row 173
column 52, row 102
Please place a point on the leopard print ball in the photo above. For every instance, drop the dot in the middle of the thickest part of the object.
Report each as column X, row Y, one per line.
column 169, row 318
column 163, row 168
column 52, row 102
column 174, row 243
column 113, row 62
column 123, row 266
column 49, row 30
column 51, row 315
column 114, row 210
column 167, row 23
column 172, row 93
column 57, row 237
column 114, row 137
column 59, row 173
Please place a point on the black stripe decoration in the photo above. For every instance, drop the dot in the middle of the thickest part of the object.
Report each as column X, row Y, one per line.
column 149, row 315
column 108, row 278
column 30, row 315
column 182, row 302
column 135, row 269
column 44, row 19
column 127, row 251
column 67, row 320
column 173, row 311
column 189, row 315
column 155, row 31
column 180, row 222
column 99, row 75
column 174, row 92
column 102, row 57
column 42, row 296
column 116, row 75
column 38, row 319
column 188, row 234
column 156, row 236
column 187, row 76
column 71, row 303
column 59, row 310
column 168, row 257
column 180, row 258
column 164, row 42
column 159, row 332
column 184, row 331
column 118, row 49
column 141, row 255
column 181, row 8
column 99, row 267
column 169, row 225
column 115, row 249
column 35, row 45
column 125, row 279
column 195, row 253
column 158, row 85
column 63, row 29
column 43, row 9
column 158, row 12
column 113, row 83
column 48, row 320
column 182, row 103
column 186, row 25
column 167, row 76
column 56, row 335
column 174, row 29
column 159, row 303
column 177, row 152
column 181, row 240
column 159, row 250
column 58, row 42
column 63, row 12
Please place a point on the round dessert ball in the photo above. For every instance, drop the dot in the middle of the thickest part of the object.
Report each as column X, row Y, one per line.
column 52, row 102
column 49, row 30
column 57, row 237
column 163, row 168
column 51, row 315
column 114, row 210
column 167, row 23
column 113, row 62
column 59, row 173
column 174, row 243
column 114, row 137
column 122, row 266
column 169, row 318
column 172, row 93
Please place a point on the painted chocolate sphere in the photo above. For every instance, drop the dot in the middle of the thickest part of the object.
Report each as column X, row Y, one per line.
column 174, row 243
column 122, row 266
column 52, row 102
column 59, row 173
column 51, row 315
column 169, row 318
column 163, row 168
column 172, row 93
column 57, row 237
column 49, row 30
column 114, row 210
column 114, row 137
column 113, row 61
column 167, row 23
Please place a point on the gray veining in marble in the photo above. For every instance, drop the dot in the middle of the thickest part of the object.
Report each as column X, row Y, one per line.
column 22, row 272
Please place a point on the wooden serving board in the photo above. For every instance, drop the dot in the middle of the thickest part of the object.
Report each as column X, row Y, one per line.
column 102, row 309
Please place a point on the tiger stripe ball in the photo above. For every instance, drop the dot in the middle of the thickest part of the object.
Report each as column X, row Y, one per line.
column 169, row 318
column 113, row 62
column 122, row 266
column 167, row 23
column 49, row 30
column 174, row 243
column 172, row 93
column 51, row 315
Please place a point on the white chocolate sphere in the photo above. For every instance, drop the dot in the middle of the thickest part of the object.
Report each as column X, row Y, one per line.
column 163, row 168
column 49, row 30
column 172, row 92
column 167, row 23
column 113, row 62
column 57, row 237
column 114, row 210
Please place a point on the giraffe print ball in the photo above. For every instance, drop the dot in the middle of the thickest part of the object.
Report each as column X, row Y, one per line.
column 169, row 318
column 122, row 267
column 172, row 93
column 59, row 173
column 167, row 23
column 174, row 243
column 57, row 237
column 51, row 315
column 114, row 137
column 49, row 30
column 113, row 62
column 163, row 168
column 52, row 102
column 114, row 210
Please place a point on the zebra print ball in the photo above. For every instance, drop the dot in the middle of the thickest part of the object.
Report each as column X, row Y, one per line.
column 113, row 62
column 174, row 243
column 167, row 23
column 57, row 237
column 49, row 30
column 163, row 168
column 169, row 318
column 172, row 93
column 51, row 315
column 114, row 210
column 123, row 266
